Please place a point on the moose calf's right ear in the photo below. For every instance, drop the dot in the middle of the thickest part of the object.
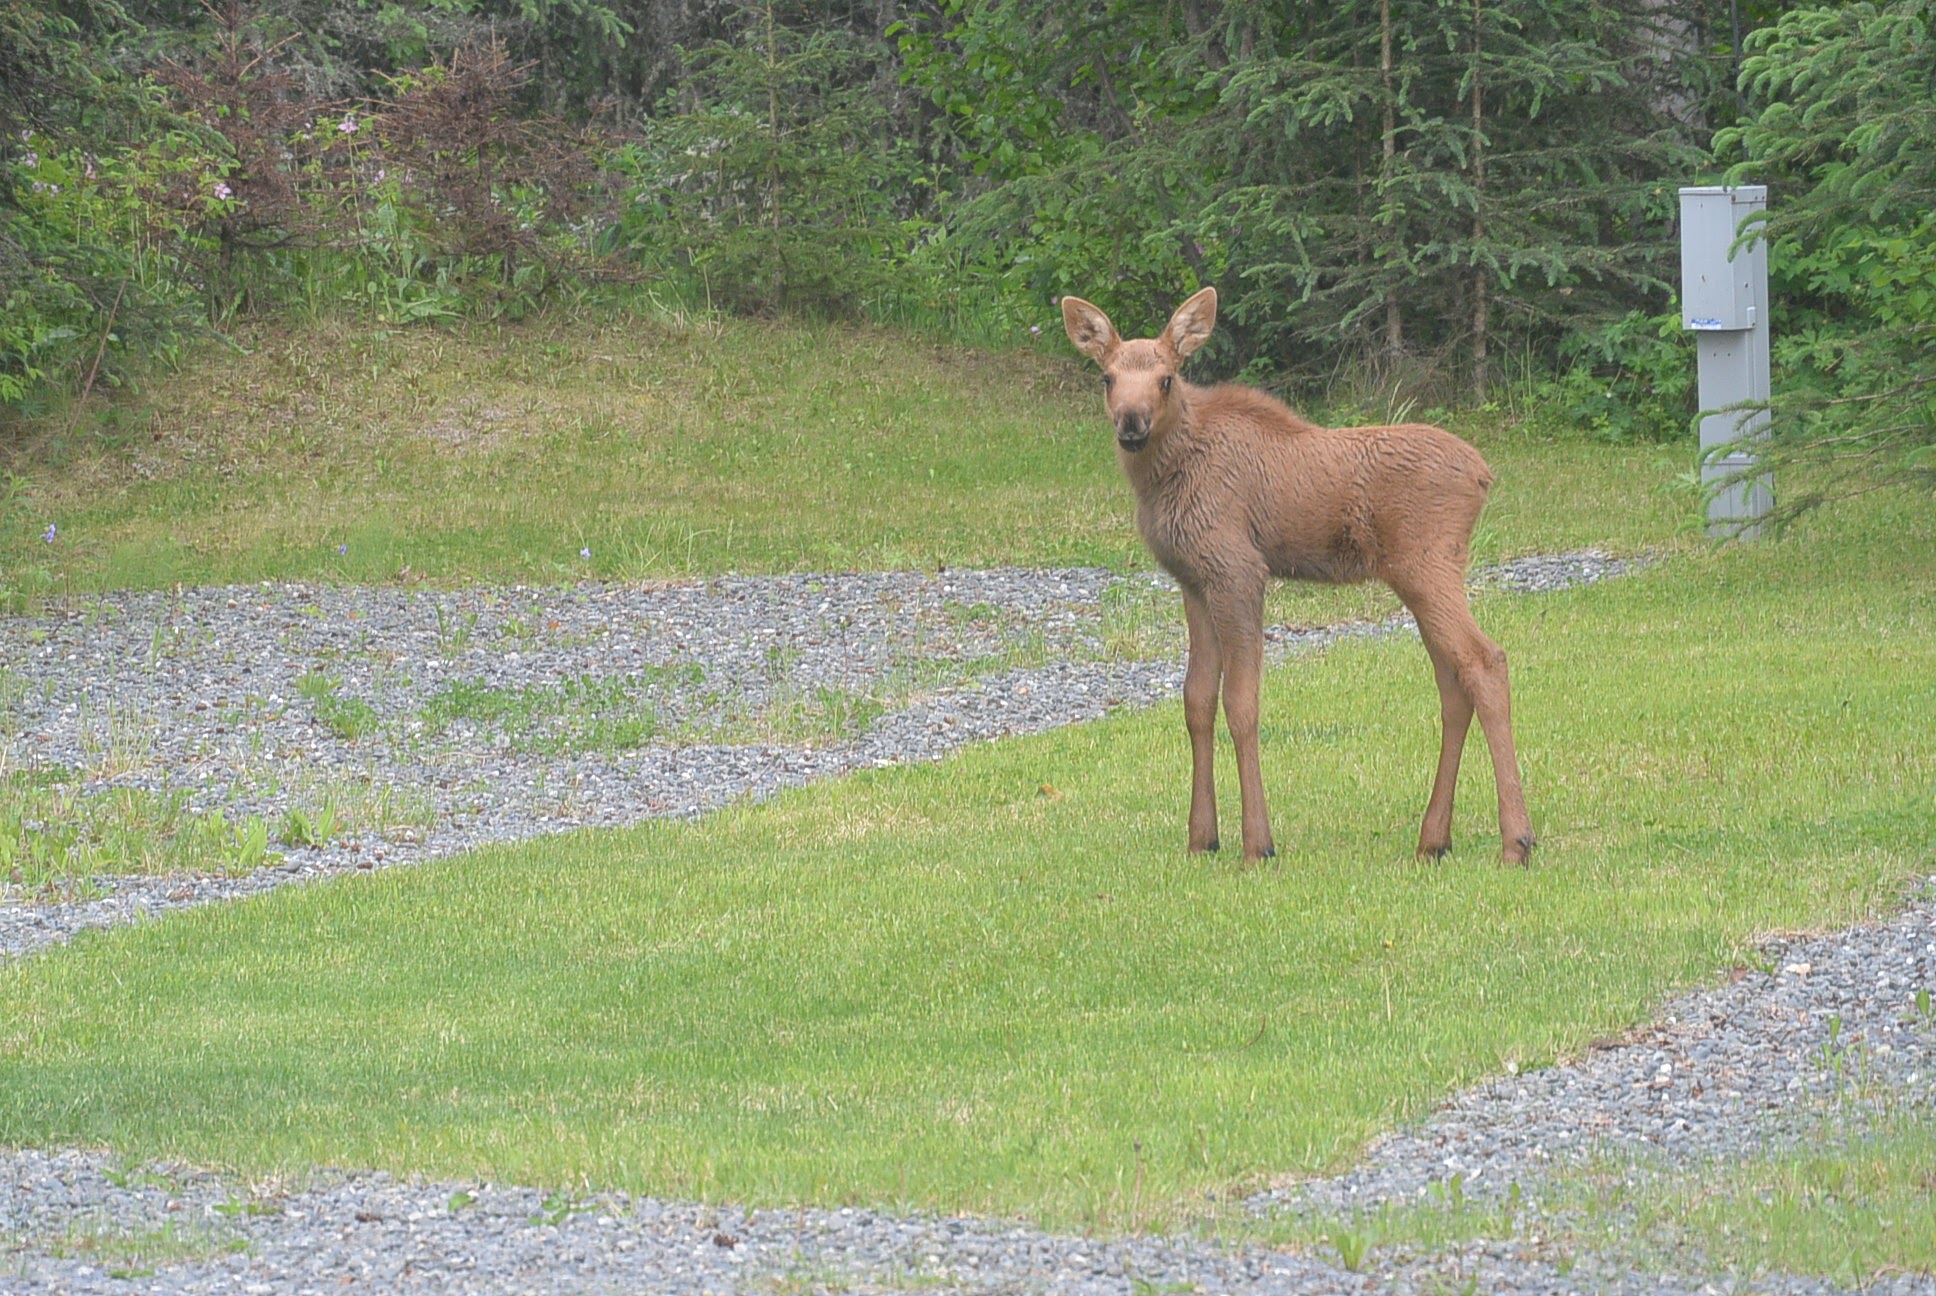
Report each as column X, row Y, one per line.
column 1089, row 329
column 1190, row 327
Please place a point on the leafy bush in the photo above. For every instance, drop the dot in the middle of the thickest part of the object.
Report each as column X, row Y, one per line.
column 1633, row 380
column 473, row 194
column 90, row 274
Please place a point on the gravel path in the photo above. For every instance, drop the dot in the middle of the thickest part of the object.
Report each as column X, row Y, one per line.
column 498, row 714
column 749, row 685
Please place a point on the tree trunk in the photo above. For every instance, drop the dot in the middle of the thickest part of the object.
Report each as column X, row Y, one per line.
column 1195, row 23
column 1394, row 321
column 1481, row 300
column 773, row 186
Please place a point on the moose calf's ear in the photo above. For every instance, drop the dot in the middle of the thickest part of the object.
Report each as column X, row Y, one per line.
column 1089, row 329
column 1190, row 327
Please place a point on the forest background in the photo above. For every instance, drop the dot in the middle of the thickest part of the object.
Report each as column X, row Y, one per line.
column 1405, row 203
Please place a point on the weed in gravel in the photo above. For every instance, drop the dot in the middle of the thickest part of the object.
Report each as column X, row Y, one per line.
column 53, row 832
column 1446, row 1216
column 560, row 1205
column 121, row 741
column 780, row 659
column 579, row 714
column 360, row 803
column 13, row 691
column 349, row 718
column 454, row 631
column 238, row 1205
column 794, row 714
column 130, row 1174
column 313, row 828
column 979, row 613
column 127, row 1253
column 1140, row 620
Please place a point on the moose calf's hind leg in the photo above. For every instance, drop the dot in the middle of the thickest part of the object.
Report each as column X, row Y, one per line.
column 1485, row 679
column 1478, row 668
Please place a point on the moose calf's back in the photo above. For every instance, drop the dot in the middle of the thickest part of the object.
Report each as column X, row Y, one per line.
column 1247, row 476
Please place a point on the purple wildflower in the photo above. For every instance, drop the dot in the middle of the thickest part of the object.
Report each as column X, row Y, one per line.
column 347, row 126
column 223, row 191
column 584, row 553
column 49, row 534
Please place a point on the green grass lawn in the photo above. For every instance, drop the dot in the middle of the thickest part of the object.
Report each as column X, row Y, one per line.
column 941, row 986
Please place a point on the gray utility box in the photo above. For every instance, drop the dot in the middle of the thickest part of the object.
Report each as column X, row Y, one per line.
column 1724, row 303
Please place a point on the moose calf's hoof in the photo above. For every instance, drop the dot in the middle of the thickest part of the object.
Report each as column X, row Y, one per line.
column 1521, row 849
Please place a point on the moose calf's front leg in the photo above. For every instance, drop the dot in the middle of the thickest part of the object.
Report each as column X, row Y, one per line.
column 1239, row 622
column 1201, row 679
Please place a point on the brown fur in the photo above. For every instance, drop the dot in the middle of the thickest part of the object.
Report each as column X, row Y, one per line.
column 1232, row 488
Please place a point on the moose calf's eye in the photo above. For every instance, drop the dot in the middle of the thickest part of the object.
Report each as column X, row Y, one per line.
column 1108, row 381
column 1167, row 380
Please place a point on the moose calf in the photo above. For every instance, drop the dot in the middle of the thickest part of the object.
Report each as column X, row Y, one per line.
column 1233, row 488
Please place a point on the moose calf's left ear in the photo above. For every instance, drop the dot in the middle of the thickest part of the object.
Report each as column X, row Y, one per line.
column 1190, row 327
column 1089, row 329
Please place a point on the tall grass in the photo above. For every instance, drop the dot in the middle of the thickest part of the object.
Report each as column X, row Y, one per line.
column 619, row 445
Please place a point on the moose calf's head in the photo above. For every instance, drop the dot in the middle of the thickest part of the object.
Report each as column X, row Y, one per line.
column 1141, row 387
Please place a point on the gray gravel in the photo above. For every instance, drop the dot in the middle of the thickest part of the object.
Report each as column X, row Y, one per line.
column 750, row 684
column 733, row 688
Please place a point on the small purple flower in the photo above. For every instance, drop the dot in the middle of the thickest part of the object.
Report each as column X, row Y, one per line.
column 342, row 549
column 347, row 126
column 49, row 534
column 584, row 553
column 223, row 192
column 1035, row 329
column 380, row 173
